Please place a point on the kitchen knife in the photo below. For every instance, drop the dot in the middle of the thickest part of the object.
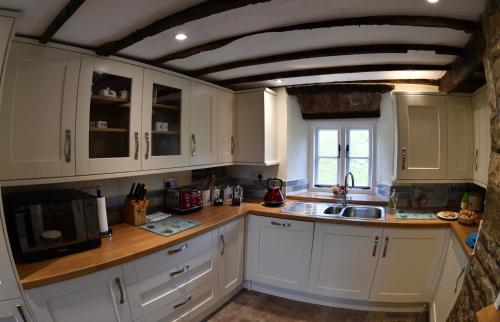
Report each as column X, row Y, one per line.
column 129, row 196
column 136, row 191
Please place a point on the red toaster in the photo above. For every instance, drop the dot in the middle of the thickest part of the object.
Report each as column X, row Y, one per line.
column 183, row 200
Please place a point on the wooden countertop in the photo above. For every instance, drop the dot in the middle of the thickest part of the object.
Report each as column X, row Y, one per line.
column 319, row 196
column 129, row 242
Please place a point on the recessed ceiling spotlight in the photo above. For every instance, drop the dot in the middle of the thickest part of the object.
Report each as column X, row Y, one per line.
column 181, row 37
column 279, row 81
column 432, row 1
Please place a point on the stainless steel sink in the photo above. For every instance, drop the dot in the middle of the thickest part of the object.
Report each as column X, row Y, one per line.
column 333, row 210
column 365, row 212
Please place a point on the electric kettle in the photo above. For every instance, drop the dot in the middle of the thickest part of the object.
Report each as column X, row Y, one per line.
column 274, row 197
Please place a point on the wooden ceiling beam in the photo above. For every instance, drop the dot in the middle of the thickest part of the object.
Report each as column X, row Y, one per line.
column 60, row 19
column 414, row 21
column 196, row 12
column 464, row 66
column 330, row 52
column 339, row 88
column 329, row 71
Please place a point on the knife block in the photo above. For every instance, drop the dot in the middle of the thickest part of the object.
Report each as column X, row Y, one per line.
column 134, row 212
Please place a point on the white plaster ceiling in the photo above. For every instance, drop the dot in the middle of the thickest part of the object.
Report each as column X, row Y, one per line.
column 100, row 21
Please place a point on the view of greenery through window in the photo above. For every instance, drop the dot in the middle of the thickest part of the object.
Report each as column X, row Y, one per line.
column 328, row 161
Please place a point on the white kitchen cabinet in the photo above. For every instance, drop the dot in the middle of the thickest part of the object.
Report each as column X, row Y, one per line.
column 100, row 296
column 344, row 260
column 279, row 251
column 7, row 31
column 460, row 137
column 408, row 265
column 450, row 283
column 165, row 100
column 37, row 118
column 422, row 144
column 256, row 127
column 8, row 281
column 203, row 124
column 225, row 111
column 14, row 311
column 482, row 137
column 232, row 255
column 114, row 146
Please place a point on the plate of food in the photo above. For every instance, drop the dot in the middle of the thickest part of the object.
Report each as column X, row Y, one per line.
column 447, row 215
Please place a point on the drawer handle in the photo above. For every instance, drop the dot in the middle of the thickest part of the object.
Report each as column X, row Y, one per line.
column 458, row 278
column 119, row 284
column 21, row 313
column 232, row 144
column 136, row 139
column 185, row 268
column 147, row 145
column 178, row 250
column 193, row 146
column 223, row 244
column 67, row 146
column 386, row 244
column 375, row 245
column 476, row 158
column 183, row 303
column 403, row 163
column 279, row 224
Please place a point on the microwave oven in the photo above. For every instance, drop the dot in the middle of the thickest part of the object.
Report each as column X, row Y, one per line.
column 47, row 224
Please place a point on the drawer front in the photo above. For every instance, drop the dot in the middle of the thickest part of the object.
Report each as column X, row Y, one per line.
column 189, row 306
column 169, row 258
column 159, row 291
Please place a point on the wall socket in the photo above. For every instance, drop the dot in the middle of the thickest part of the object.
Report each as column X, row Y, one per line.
column 169, row 182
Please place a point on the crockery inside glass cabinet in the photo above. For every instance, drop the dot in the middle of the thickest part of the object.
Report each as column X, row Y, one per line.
column 109, row 116
column 166, row 120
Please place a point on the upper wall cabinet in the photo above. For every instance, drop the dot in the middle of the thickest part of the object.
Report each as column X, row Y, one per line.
column 460, row 137
column 422, row 137
column 37, row 118
column 108, row 117
column 225, row 118
column 256, row 122
column 165, row 121
column 482, row 137
column 203, row 124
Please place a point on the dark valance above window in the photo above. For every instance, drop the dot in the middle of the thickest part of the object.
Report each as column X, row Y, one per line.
column 339, row 101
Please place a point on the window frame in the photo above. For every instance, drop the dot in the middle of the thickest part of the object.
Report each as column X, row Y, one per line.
column 343, row 127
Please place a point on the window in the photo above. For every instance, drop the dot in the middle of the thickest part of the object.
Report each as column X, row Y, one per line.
column 340, row 148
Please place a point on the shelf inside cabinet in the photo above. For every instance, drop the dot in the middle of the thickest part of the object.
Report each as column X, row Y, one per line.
column 165, row 107
column 99, row 99
column 108, row 129
column 165, row 132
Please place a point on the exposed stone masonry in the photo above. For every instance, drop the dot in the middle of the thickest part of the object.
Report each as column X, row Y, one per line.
column 482, row 281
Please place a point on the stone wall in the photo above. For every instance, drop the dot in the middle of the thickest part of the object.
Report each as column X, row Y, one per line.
column 482, row 282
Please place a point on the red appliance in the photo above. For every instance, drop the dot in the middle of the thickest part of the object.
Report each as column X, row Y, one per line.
column 274, row 197
column 183, row 200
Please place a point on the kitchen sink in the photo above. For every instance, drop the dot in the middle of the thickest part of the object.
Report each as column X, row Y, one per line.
column 366, row 212
column 333, row 210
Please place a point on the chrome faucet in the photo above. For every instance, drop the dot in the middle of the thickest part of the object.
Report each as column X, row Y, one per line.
column 344, row 196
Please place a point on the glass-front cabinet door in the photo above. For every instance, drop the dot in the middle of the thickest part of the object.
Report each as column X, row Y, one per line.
column 108, row 117
column 165, row 108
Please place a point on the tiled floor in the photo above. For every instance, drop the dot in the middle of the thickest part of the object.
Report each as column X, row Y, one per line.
column 258, row 307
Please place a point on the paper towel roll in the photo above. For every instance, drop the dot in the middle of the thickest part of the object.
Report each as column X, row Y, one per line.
column 102, row 215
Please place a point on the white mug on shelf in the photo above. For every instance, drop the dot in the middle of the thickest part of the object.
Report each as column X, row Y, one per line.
column 164, row 127
column 158, row 126
column 101, row 124
column 107, row 92
column 124, row 94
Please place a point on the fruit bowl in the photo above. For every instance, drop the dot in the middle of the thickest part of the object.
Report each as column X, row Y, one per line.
column 467, row 217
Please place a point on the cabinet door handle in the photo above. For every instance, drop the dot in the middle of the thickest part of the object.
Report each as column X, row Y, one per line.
column 21, row 313
column 119, row 284
column 386, row 244
column 403, row 162
column 232, row 144
column 183, row 303
column 347, row 151
column 177, row 250
column 67, row 146
column 339, row 151
column 193, row 145
column 136, row 137
column 280, row 224
column 375, row 245
column 147, row 145
column 476, row 158
column 223, row 244
column 185, row 268
column 458, row 278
